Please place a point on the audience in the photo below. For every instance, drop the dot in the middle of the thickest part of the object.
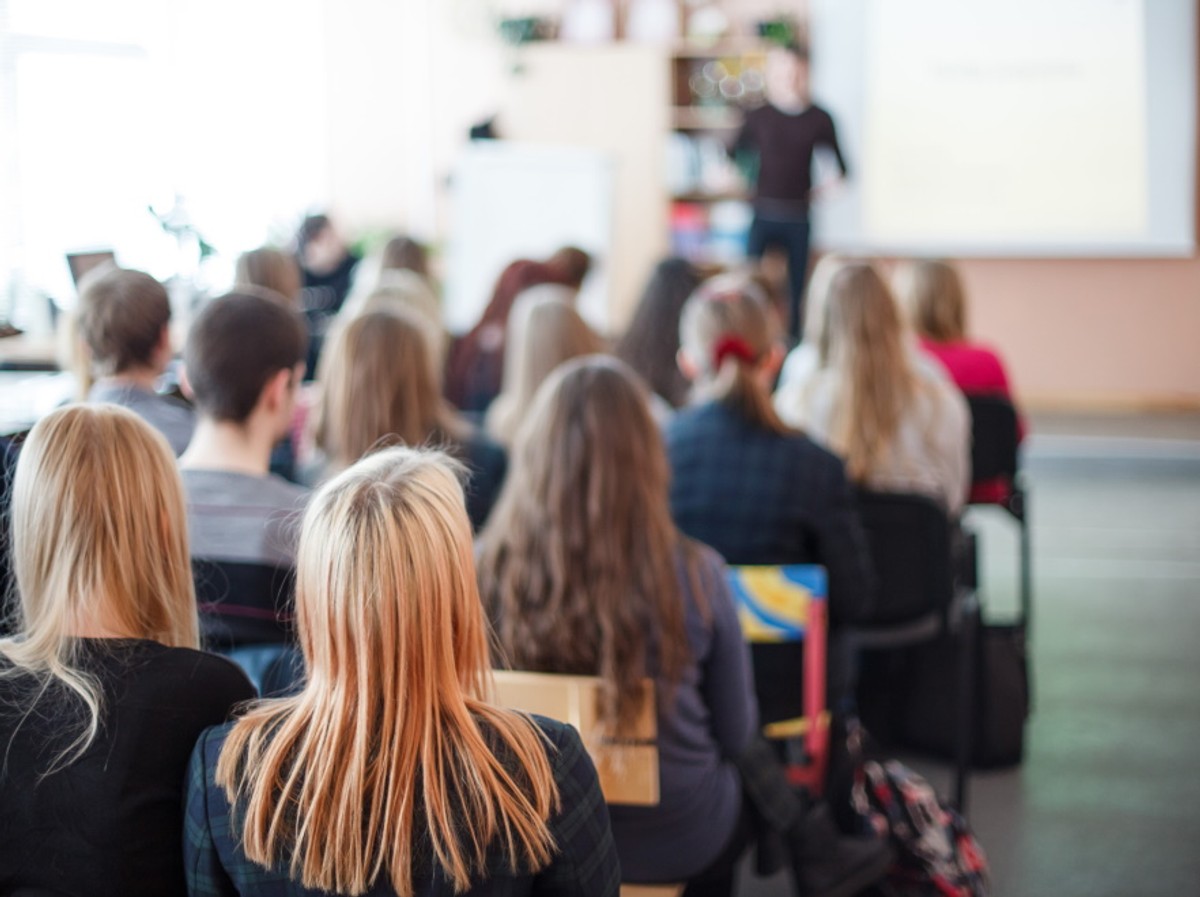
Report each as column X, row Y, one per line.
column 544, row 330
column 651, row 341
column 744, row 482
column 123, row 322
column 390, row 773
column 584, row 572
column 897, row 426
column 407, row 290
column 270, row 269
column 102, row 693
column 932, row 295
column 476, row 363
column 377, row 384
column 239, row 512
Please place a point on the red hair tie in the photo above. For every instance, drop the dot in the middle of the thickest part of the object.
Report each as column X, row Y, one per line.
column 732, row 344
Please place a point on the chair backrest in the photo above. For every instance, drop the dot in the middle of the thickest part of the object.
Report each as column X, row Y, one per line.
column 777, row 608
column 628, row 769
column 243, row 603
column 994, row 438
column 909, row 540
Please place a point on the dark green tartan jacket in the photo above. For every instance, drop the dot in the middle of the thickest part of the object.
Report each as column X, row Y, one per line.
column 585, row 864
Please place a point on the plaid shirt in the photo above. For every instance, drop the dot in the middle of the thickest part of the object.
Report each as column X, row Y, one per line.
column 585, row 865
column 759, row 497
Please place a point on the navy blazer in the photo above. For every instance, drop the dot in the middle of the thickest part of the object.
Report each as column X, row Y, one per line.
column 760, row 497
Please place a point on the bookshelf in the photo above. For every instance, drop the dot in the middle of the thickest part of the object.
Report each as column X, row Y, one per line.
column 711, row 87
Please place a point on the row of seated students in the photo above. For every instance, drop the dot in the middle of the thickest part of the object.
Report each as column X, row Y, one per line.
column 582, row 569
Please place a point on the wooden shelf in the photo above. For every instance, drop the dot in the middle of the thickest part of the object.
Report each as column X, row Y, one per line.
column 747, row 47
column 706, row 118
column 711, row 197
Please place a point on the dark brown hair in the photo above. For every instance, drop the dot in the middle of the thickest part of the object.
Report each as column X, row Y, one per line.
column 238, row 343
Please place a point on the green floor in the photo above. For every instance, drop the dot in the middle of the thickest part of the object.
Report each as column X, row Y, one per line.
column 1107, row 803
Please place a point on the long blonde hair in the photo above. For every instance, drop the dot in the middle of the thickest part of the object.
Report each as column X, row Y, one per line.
column 391, row 741
column 727, row 331
column 932, row 295
column 544, row 330
column 862, row 341
column 377, row 383
column 580, row 562
column 99, row 536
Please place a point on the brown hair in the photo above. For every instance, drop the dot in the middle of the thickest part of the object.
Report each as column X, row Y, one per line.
column 121, row 317
column 404, row 253
column 227, row 380
column 271, row 269
column 580, row 561
column 651, row 341
column 377, row 383
column 932, row 294
column 544, row 331
column 392, row 741
column 726, row 331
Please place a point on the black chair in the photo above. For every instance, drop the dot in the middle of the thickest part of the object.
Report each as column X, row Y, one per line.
column 921, row 597
column 996, row 477
column 245, row 611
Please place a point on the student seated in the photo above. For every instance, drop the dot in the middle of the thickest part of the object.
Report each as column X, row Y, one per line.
column 391, row 773
column 271, row 269
column 744, row 482
column 584, row 572
column 897, row 426
column 238, row 511
column 102, row 692
column 377, row 385
column 122, row 320
column 931, row 294
column 544, row 330
column 651, row 341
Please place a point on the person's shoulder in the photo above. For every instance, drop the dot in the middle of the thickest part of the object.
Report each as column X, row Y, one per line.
column 218, row 675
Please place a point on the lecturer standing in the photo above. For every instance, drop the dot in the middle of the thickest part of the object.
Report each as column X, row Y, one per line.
column 784, row 133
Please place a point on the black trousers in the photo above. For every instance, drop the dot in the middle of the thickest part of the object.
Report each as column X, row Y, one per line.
column 790, row 233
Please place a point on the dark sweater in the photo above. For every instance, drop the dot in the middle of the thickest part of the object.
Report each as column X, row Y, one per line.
column 110, row 823
column 785, row 143
column 759, row 497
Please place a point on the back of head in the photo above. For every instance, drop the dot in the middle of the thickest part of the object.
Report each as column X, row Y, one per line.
column 727, row 333
column 544, row 330
column 651, row 341
column 377, row 383
column 99, row 543
column 227, row 376
column 391, row 740
column 932, row 295
column 581, row 542
column 271, row 269
column 405, row 254
column 862, row 343
column 572, row 263
column 121, row 316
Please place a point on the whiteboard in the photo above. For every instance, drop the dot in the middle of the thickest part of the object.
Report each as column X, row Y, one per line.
column 518, row 200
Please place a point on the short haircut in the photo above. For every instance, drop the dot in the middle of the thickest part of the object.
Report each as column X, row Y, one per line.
column 309, row 228
column 237, row 343
column 121, row 318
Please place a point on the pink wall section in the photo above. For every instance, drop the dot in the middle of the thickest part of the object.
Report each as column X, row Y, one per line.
column 1092, row 332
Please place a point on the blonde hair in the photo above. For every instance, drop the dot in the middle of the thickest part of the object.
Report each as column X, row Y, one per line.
column 580, row 561
column 409, row 291
column 99, row 536
column 377, row 383
column 932, row 294
column 270, row 269
column 726, row 331
column 544, row 330
column 391, row 740
column 862, row 341
column 817, row 296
